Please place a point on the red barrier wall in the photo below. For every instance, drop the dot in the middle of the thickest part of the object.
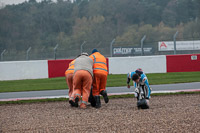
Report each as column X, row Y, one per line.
column 57, row 68
column 107, row 61
column 183, row 63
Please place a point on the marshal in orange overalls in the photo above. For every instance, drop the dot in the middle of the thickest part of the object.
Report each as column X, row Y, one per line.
column 100, row 73
column 82, row 80
column 82, row 83
column 69, row 78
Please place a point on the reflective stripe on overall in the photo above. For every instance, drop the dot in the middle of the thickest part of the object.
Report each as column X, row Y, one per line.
column 70, row 68
column 100, row 66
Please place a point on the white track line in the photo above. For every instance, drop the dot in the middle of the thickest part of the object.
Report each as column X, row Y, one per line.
column 153, row 92
column 110, row 94
column 33, row 98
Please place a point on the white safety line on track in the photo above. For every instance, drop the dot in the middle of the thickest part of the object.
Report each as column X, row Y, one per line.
column 109, row 94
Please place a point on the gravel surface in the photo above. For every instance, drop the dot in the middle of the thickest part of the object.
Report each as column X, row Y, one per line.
column 166, row 114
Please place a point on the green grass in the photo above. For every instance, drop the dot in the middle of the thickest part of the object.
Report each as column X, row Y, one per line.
column 110, row 97
column 157, row 78
column 170, row 78
column 33, row 85
column 33, row 101
column 112, row 81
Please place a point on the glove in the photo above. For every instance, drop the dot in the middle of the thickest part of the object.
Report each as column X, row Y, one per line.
column 136, row 90
column 136, row 95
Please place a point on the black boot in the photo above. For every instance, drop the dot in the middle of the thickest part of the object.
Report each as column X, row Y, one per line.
column 98, row 101
column 105, row 96
column 93, row 102
column 72, row 103
column 76, row 101
column 91, row 99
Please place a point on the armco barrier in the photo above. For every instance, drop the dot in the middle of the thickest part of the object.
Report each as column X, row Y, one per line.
column 107, row 62
column 57, row 68
column 150, row 64
column 183, row 63
column 16, row 70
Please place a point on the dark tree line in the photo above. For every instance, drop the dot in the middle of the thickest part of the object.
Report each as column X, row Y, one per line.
column 47, row 23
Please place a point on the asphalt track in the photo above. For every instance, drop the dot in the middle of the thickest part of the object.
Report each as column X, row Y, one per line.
column 164, row 88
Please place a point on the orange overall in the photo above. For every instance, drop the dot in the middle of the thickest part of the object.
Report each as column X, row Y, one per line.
column 69, row 78
column 82, row 82
column 100, row 73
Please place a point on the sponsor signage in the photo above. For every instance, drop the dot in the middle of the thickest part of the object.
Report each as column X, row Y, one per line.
column 180, row 45
column 139, row 50
column 130, row 50
column 123, row 51
column 194, row 57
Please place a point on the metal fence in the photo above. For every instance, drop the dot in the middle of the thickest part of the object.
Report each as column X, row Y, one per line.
column 110, row 48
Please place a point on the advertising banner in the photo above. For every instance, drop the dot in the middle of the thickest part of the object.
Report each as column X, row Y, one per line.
column 180, row 45
column 130, row 50
column 122, row 51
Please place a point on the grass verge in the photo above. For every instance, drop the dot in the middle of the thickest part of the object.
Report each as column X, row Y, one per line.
column 110, row 97
column 112, row 81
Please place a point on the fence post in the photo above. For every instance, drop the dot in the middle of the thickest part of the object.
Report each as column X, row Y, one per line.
column 82, row 46
column 2, row 54
column 98, row 44
column 42, row 53
column 27, row 53
column 55, row 48
column 142, row 40
column 174, row 37
column 111, row 46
